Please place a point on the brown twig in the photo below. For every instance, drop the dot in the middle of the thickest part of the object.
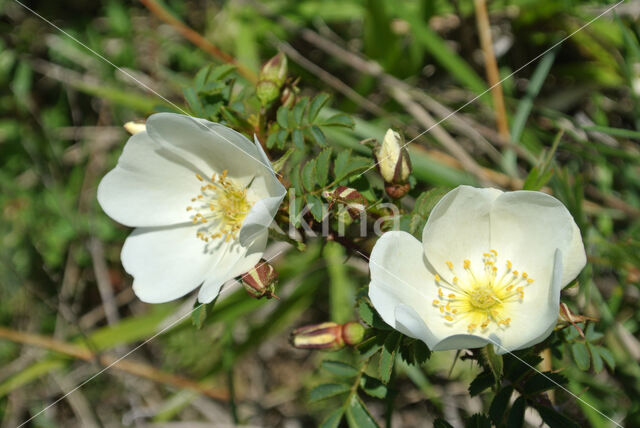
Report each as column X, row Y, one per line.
column 131, row 367
column 195, row 38
column 491, row 67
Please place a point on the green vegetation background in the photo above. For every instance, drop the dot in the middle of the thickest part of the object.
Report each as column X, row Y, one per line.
column 61, row 111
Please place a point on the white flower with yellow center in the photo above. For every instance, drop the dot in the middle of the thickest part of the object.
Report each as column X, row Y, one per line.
column 201, row 197
column 489, row 270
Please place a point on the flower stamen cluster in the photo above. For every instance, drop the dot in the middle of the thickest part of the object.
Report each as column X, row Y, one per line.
column 480, row 299
column 222, row 204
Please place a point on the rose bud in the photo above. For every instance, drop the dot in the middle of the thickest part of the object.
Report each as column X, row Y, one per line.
column 261, row 281
column 272, row 76
column 393, row 163
column 329, row 336
column 351, row 198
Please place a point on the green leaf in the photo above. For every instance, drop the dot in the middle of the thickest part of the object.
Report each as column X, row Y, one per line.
column 607, row 356
column 298, row 138
column 492, row 361
column 316, row 105
column 339, row 368
column 298, row 110
column 327, row 390
column 598, row 364
column 441, row 423
column 358, row 416
column 516, row 415
column 31, row 373
column 282, row 117
column 345, row 164
column 555, row 419
column 194, row 102
column 339, row 119
column 309, row 175
column 198, row 314
column 388, row 356
column 316, row 206
column 371, row 345
column 370, row 316
column 318, row 135
column 373, row 386
column 283, row 134
column 543, row 381
column 499, row 404
column 580, row 355
column 333, row 419
column 478, row 421
column 414, row 351
column 322, row 166
column 483, row 381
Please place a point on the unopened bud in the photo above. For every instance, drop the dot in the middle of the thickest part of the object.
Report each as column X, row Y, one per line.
column 397, row 191
column 392, row 159
column 354, row 202
column 329, row 336
column 261, row 281
column 134, row 127
column 272, row 76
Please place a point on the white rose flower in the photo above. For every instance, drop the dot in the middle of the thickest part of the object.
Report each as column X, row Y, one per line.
column 201, row 197
column 489, row 270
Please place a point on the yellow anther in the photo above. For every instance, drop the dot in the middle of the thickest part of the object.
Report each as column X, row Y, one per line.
column 509, row 288
column 452, row 296
column 495, row 253
column 448, row 317
column 436, row 302
column 455, row 280
column 515, row 273
column 449, row 264
column 486, row 255
column 440, row 293
column 189, row 208
column 525, row 275
column 454, row 311
column 471, row 327
column 442, row 309
column 437, row 278
column 494, row 269
column 509, row 264
column 467, row 263
column 199, row 177
column 484, row 324
column 529, row 280
column 448, row 307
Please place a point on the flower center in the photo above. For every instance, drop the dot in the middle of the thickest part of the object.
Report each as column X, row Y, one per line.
column 483, row 296
column 220, row 208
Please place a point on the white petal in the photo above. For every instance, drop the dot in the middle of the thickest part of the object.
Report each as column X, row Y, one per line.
column 527, row 227
column 207, row 146
column 232, row 260
column 166, row 263
column 399, row 276
column 533, row 319
column 262, row 212
column 458, row 227
column 148, row 187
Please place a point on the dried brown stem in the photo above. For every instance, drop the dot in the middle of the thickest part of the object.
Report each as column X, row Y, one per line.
column 195, row 38
column 491, row 67
column 131, row 367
